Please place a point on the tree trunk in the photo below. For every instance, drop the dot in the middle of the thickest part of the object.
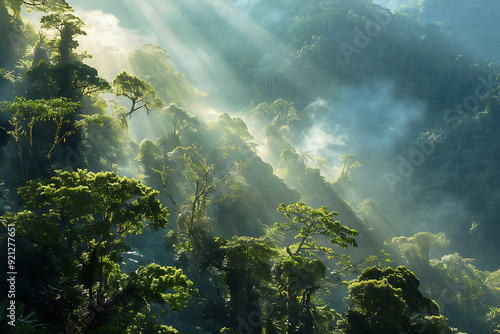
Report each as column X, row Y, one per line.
column 293, row 311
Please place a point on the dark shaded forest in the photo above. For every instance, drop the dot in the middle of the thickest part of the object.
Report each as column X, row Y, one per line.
column 230, row 166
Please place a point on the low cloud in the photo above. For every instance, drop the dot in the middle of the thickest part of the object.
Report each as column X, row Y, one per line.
column 108, row 41
column 366, row 121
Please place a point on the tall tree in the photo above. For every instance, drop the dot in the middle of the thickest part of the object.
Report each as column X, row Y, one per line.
column 139, row 92
column 83, row 218
column 247, row 274
column 68, row 27
column 200, row 168
column 298, row 275
column 28, row 113
column 309, row 222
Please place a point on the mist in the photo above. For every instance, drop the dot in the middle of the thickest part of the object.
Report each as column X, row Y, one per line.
column 221, row 46
column 231, row 117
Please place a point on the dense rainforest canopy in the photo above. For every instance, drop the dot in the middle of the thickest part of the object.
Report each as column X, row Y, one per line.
column 260, row 166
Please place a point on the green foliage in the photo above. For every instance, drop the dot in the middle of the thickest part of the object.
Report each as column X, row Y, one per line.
column 404, row 279
column 470, row 291
column 130, row 299
column 68, row 80
column 299, row 278
column 493, row 317
column 6, row 76
column 86, row 216
column 84, row 210
column 30, row 115
column 32, row 110
column 40, row 5
column 24, row 323
column 381, row 299
column 296, row 306
column 68, row 27
column 308, row 156
column 298, row 272
column 96, row 201
column 280, row 113
column 199, row 167
column 247, row 271
column 309, row 222
column 182, row 121
column 233, row 129
column 416, row 248
column 348, row 161
column 138, row 91
column 227, row 331
column 75, row 224
column 158, row 281
column 389, row 301
column 248, row 259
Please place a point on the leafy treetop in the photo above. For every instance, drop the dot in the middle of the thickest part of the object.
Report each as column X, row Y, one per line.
column 309, row 222
column 40, row 5
column 280, row 113
column 97, row 203
column 389, row 301
column 157, row 280
column 416, row 248
column 27, row 113
column 68, row 26
column 138, row 91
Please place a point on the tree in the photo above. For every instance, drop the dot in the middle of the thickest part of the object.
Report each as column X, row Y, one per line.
column 40, row 5
column 199, row 166
column 64, row 75
column 182, row 121
column 138, row 91
column 68, row 27
column 68, row 80
column 468, row 291
column 343, row 183
column 88, row 211
column 348, row 161
column 83, row 218
column 308, row 156
column 298, row 277
column 40, row 51
column 247, row 272
column 280, row 113
column 309, row 222
column 27, row 113
column 233, row 129
column 297, row 280
column 131, row 296
column 416, row 248
column 389, row 301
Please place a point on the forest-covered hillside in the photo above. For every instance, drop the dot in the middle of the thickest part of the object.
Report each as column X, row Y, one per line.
column 259, row 166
